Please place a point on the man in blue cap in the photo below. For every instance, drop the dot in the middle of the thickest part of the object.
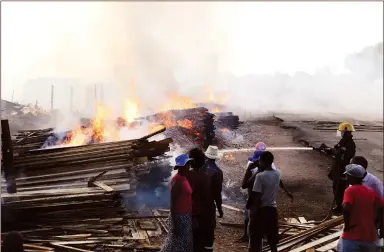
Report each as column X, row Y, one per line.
column 248, row 181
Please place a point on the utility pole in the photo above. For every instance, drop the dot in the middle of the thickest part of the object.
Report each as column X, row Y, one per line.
column 52, row 88
column 95, row 92
column 101, row 92
column 71, row 99
column 13, row 93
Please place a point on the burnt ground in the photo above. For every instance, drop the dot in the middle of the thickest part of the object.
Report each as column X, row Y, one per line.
column 303, row 172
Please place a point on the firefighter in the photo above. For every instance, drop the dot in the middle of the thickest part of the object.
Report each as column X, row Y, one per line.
column 342, row 152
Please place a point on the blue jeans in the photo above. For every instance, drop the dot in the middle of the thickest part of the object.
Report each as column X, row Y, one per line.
column 357, row 246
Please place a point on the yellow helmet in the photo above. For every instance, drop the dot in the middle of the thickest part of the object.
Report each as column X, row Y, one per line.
column 344, row 126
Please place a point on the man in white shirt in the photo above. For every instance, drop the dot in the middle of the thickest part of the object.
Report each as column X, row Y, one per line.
column 263, row 207
column 369, row 180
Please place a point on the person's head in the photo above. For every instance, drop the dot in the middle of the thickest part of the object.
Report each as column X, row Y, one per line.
column 260, row 146
column 345, row 130
column 212, row 153
column 266, row 160
column 182, row 164
column 13, row 242
column 360, row 160
column 355, row 174
column 198, row 157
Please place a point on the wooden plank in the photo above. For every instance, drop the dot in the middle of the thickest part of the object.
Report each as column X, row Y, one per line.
column 38, row 247
column 292, row 220
column 70, row 248
column 302, row 220
column 328, row 246
column 162, row 224
column 232, row 208
column 318, row 242
column 103, row 186
column 76, row 236
column 310, row 250
column 154, row 233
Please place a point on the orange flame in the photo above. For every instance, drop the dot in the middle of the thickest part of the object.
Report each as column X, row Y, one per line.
column 224, row 130
column 178, row 102
column 185, row 123
column 229, row 156
column 130, row 110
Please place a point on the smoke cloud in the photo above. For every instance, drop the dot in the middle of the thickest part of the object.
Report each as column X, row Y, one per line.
column 149, row 51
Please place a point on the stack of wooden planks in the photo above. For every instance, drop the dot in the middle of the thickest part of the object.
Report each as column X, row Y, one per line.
column 26, row 140
column 77, row 195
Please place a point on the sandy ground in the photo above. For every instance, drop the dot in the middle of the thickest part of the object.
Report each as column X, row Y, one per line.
column 303, row 172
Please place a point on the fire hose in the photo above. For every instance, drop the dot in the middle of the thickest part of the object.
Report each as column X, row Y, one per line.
column 321, row 149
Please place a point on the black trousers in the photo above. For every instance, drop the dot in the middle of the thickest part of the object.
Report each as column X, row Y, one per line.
column 338, row 191
column 264, row 222
column 204, row 232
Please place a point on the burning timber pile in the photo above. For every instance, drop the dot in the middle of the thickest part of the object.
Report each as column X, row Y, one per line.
column 195, row 123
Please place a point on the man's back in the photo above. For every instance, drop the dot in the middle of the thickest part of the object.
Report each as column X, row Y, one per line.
column 267, row 183
column 374, row 183
column 362, row 224
column 201, row 196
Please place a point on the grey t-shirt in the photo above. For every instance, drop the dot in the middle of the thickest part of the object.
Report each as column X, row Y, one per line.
column 267, row 183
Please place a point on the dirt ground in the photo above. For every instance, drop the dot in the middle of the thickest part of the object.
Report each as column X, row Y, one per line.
column 303, row 172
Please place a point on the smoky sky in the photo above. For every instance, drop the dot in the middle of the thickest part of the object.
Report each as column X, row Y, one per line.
column 162, row 49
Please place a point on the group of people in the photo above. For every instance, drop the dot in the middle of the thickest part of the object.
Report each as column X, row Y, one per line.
column 195, row 196
column 358, row 195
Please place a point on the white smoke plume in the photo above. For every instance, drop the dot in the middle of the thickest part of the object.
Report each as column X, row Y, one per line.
column 149, row 51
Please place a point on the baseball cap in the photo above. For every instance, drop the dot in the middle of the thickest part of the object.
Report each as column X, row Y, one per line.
column 355, row 170
column 261, row 146
column 255, row 156
column 181, row 160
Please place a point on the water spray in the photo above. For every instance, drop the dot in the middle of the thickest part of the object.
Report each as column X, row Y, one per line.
column 268, row 149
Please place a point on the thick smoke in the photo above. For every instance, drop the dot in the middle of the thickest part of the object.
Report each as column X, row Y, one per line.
column 151, row 51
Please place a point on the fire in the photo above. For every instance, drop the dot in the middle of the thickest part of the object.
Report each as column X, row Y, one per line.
column 229, row 156
column 224, row 130
column 156, row 127
column 178, row 102
column 185, row 123
column 215, row 110
column 75, row 137
column 130, row 110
